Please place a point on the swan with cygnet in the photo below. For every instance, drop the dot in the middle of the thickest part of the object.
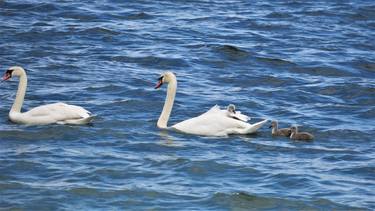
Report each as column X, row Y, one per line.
column 214, row 122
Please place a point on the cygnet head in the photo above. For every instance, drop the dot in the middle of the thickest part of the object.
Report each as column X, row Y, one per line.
column 273, row 124
column 166, row 77
column 13, row 71
column 231, row 108
column 294, row 129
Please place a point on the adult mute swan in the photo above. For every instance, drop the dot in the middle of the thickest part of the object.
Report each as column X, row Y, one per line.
column 59, row 113
column 214, row 122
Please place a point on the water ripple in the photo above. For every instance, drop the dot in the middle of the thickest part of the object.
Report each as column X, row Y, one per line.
column 303, row 63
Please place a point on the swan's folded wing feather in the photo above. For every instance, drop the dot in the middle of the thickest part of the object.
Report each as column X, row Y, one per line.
column 243, row 116
column 59, row 111
column 214, row 109
column 214, row 122
column 239, row 116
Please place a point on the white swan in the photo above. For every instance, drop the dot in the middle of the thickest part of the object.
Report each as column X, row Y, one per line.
column 214, row 122
column 59, row 113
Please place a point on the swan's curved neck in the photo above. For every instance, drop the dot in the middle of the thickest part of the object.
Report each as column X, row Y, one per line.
column 169, row 100
column 17, row 105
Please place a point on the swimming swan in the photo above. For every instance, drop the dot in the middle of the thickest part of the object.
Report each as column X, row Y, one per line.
column 214, row 122
column 59, row 113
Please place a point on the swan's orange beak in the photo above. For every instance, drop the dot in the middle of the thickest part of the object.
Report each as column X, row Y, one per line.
column 6, row 76
column 160, row 82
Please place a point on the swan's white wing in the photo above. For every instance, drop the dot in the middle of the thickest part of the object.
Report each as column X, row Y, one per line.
column 214, row 122
column 56, row 112
column 243, row 117
column 214, row 109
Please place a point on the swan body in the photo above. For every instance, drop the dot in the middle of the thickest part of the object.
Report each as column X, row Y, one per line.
column 59, row 113
column 214, row 122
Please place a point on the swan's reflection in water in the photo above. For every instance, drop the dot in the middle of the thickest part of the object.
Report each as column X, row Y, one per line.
column 247, row 138
column 168, row 140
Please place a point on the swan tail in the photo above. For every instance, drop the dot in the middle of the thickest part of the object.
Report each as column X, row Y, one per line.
column 254, row 127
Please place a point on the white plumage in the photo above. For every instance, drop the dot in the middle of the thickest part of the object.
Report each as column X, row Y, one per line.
column 214, row 122
column 59, row 113
column 217, row 122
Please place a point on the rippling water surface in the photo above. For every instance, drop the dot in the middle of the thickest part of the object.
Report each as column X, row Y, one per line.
column 309, row 63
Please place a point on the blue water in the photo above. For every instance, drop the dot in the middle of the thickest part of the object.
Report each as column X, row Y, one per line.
column 309, row 63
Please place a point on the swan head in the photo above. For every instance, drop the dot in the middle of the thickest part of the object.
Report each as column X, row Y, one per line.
column 273, row 124
column 13, row 71
column 166, row 77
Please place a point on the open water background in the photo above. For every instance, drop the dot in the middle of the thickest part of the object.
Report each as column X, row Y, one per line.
column 309, row 63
